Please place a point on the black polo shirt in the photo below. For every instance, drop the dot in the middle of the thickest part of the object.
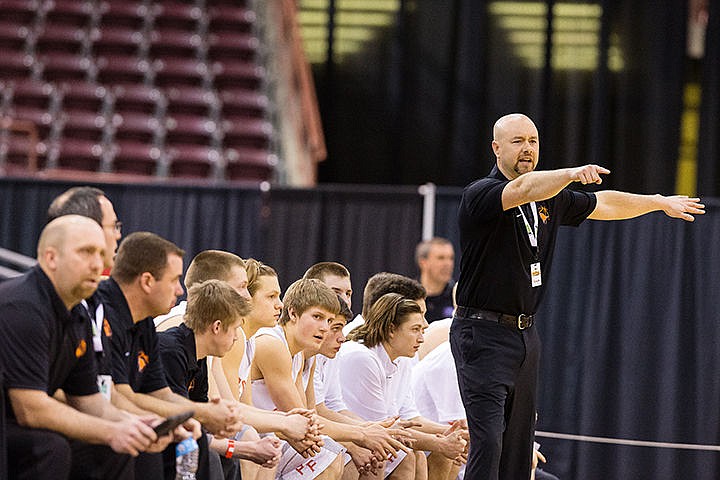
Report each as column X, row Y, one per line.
column 440, row 306
column 184, row 373
column 496, row 250
column 43, row 346
column 135, row 357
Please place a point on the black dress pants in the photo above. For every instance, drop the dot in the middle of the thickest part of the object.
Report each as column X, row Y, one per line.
column 36, row 453
column 497, row 369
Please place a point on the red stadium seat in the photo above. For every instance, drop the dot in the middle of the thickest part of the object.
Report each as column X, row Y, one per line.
column 139, row 99
column 230, row 18
column 249, row 164
column 232, row 46
column 174, row 44
column 15, row 148
column 122, row 70
column 85, row 126
column 37, row 102
column 79, row 155
column 192, row 101
column 237, row 76
column 84, row 97
column 177, row 16
column 139, row 128
column 193, row 161
column 172, row 72
column 131, row 14
column 13, row 37
column 72, row 13
column 17, row 65
column 191, row 129
column 239, row 104
column 19, row 12
column 61, row 38
column 253, row 133
column 136, row 158
column 117, row 40
column 66, row 67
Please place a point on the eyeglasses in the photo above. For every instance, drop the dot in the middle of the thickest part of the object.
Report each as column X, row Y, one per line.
column 117, row 225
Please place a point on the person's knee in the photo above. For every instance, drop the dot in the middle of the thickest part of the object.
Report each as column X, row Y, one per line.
column 54, row 454
column 34, row 453
column 57, row 447
column 334, row 471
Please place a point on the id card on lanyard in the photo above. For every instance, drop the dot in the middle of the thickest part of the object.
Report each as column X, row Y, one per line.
column 104, row 382
column 532, row 233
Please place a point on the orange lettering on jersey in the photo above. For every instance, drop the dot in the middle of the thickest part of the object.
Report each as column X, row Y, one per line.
column 106, row 328
column 544, row 213
column 143, row 361
column 81, row 349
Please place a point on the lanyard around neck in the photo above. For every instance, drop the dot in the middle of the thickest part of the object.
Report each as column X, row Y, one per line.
column 531, row 232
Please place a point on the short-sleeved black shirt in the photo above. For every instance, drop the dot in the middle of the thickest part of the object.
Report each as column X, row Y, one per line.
column 440, row 306
column 135, row 357
column 43, row 346
column 184, row 373
column 496, row 250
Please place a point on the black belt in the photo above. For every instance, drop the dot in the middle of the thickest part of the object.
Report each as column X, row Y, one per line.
column 521, row 322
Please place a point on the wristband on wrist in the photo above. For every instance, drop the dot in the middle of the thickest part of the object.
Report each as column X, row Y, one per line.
column 230, row 448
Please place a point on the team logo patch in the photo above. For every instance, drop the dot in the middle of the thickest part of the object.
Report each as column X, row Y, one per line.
column 143, row 361
column 81, row 349
column 544, row 213
column 106, row 328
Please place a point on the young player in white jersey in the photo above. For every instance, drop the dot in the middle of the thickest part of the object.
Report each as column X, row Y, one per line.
column 379, row 362
column 277, row 383
column 228, row 267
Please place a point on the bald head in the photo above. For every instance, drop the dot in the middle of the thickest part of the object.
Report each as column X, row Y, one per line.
column 70, row 252
column 508, row 122
column 56, row 232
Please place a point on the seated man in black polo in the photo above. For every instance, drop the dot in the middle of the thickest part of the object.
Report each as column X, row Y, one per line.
column 46, row 345
column 210, row 327
column 144, row 283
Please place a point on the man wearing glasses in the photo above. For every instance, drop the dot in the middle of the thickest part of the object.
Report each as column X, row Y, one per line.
column 91, row 202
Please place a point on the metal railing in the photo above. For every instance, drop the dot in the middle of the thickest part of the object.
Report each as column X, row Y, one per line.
column 18, row 263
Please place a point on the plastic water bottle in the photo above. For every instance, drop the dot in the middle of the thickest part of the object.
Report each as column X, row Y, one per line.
column 186, row 459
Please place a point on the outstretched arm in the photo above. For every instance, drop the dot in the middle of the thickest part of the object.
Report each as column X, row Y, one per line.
column 614, row 205
column 541, row 185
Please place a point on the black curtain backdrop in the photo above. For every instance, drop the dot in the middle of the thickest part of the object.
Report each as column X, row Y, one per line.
column 629, row 323
column 195, row 218
column 368, row 229
column 709, row 142
column 631, row 346
column 418, row 104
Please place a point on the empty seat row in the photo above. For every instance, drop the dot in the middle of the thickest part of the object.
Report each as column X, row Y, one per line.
column 160, row 88
column 114, row 40
column 191, row 115
column 112, row 70
column 94, row 125
column 146, row 159
column 172, row 13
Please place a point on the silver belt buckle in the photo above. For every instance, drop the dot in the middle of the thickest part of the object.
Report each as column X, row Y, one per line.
column 524, row 321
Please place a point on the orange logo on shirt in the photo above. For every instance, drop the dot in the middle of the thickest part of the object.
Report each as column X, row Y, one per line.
column 106, row 328
column 191, row 387
column 143, row 361
column 81, row 349
column 544, row 214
